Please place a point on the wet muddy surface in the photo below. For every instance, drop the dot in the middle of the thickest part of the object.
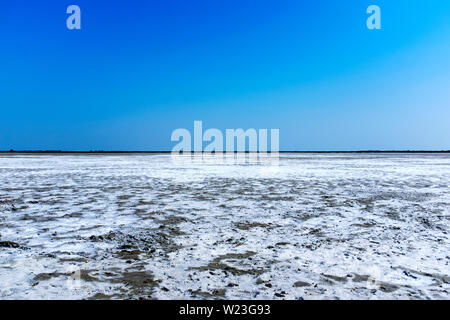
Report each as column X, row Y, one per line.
column 314, row 226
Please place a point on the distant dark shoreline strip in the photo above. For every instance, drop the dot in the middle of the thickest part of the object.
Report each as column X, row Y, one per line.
column 192, row 152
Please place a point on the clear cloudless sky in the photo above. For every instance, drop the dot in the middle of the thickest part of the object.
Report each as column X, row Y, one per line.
column 139, row 69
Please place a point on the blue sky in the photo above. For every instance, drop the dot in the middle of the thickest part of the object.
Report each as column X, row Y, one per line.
column 139, row 69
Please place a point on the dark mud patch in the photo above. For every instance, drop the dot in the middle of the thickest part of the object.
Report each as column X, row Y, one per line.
column 76, row 275
column 131, row 245
column 104, row 296
column 282, row 244
column 74, row 259
column 335, row 278
column 145, row 203
column 137, row 283
column 387, row 287
column 218, row 265
column 215, row 266
column 277, row 198
column 38, row 218
column 360, row 277
column 382, row 286
column 214, row 294
column 203, row 197
column 9, row 244
column 233, row 256
column 316, row 232
column 369, row 224
column 299, row 284
column 440, row 278
column 303, row 216
column 133, row 255
column 172, row 220
column 125, row 197
column 250, row 225
column 73, row 215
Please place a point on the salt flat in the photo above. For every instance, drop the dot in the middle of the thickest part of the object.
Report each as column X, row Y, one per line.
column 312, row 226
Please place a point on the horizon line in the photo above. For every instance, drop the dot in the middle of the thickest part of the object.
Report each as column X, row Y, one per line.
column 218, row 152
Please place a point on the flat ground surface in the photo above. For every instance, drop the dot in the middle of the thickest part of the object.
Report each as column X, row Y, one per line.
column 313, row 226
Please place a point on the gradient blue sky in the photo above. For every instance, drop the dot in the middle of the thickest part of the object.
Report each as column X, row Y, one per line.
column 139, row 69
